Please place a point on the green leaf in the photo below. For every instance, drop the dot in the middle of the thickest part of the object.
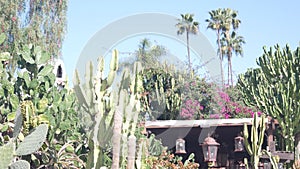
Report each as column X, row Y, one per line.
column 2, row 38
column 43, row 118
column 44, row 57
column 26, row 78
column 21, row 164
column 38, row 53
column 26, row 54
column 6, row 155
column 70, row 149
column 4, row 128
column 14, row 101
column 1, row 92
column 46, row 70
column 11, row 116
column 33, row 141
column 33, row 84
column 64, row 125
column 4, row 56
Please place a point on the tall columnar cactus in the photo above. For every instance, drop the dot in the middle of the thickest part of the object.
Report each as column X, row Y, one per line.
column 274, row 88
column 163, row 97
column 113, row 112
column 95, row 100
column 254, row 148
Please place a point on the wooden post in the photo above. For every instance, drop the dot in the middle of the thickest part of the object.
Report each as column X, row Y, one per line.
column 270, row 130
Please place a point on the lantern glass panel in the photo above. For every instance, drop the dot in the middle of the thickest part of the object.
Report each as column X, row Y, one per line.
column 213, row 153
column 238, row 144
column 180, row 146
column 205, row 152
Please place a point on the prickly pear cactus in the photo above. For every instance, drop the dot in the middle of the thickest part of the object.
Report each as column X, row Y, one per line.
column 6, row 154
column 21, row 164
column 31, row 143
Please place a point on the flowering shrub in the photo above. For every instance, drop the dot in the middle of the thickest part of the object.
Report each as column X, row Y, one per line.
column 205, row 100
column 229, row 105
column 197, row 98
column 168, row 160
column 191, row 110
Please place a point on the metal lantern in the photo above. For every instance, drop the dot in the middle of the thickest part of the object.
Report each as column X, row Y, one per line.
column 238, row 144
column 180, row 146
column 210, row 149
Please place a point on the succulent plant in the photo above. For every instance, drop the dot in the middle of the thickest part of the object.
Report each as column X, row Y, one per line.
column 254, row 147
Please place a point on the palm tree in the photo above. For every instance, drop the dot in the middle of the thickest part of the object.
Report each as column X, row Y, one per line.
column 215, row 23
column 147, row 53
column 230, row 19
column 187, row 24
column 230, row 45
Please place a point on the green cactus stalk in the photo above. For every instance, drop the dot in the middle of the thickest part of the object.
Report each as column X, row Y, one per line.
column 113, row 119
column 99, row 110
column 254, row 148
column 274, row 88
column 117, row 132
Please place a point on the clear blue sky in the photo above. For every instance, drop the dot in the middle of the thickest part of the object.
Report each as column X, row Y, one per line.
column 264, row 23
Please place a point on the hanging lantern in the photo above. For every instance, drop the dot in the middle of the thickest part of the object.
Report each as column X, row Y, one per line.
column 210, row 149
column 238, row 144
column 180, row 146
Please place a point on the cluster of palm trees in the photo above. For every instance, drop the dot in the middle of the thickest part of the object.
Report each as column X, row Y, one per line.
column 225, row 23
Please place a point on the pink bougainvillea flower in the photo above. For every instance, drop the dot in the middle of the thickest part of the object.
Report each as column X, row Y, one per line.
column 238, row 110
column 252, row 114
column 201, row 107
column 259, row 113
column 13, row 18
column 227, row 116
column 214, row 116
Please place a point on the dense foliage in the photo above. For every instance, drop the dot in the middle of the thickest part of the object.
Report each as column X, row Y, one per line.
column 274, row 88
column 93, row 126
column 33, row 89
column 42, row 23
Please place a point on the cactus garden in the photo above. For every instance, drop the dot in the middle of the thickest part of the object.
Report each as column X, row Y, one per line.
column 143, row 111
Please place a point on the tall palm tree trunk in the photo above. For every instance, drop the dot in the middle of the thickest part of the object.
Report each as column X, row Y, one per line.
column 188, row 50
column 231, row 73
column 220, row 57
column 228, row 71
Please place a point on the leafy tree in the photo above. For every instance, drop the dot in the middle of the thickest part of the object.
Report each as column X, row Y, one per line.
column 274, row 88
column 42, row 23
column 229, row 46
column 186, row 24
column 147, row 54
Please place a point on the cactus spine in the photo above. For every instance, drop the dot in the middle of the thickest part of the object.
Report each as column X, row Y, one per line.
column 254, row 148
